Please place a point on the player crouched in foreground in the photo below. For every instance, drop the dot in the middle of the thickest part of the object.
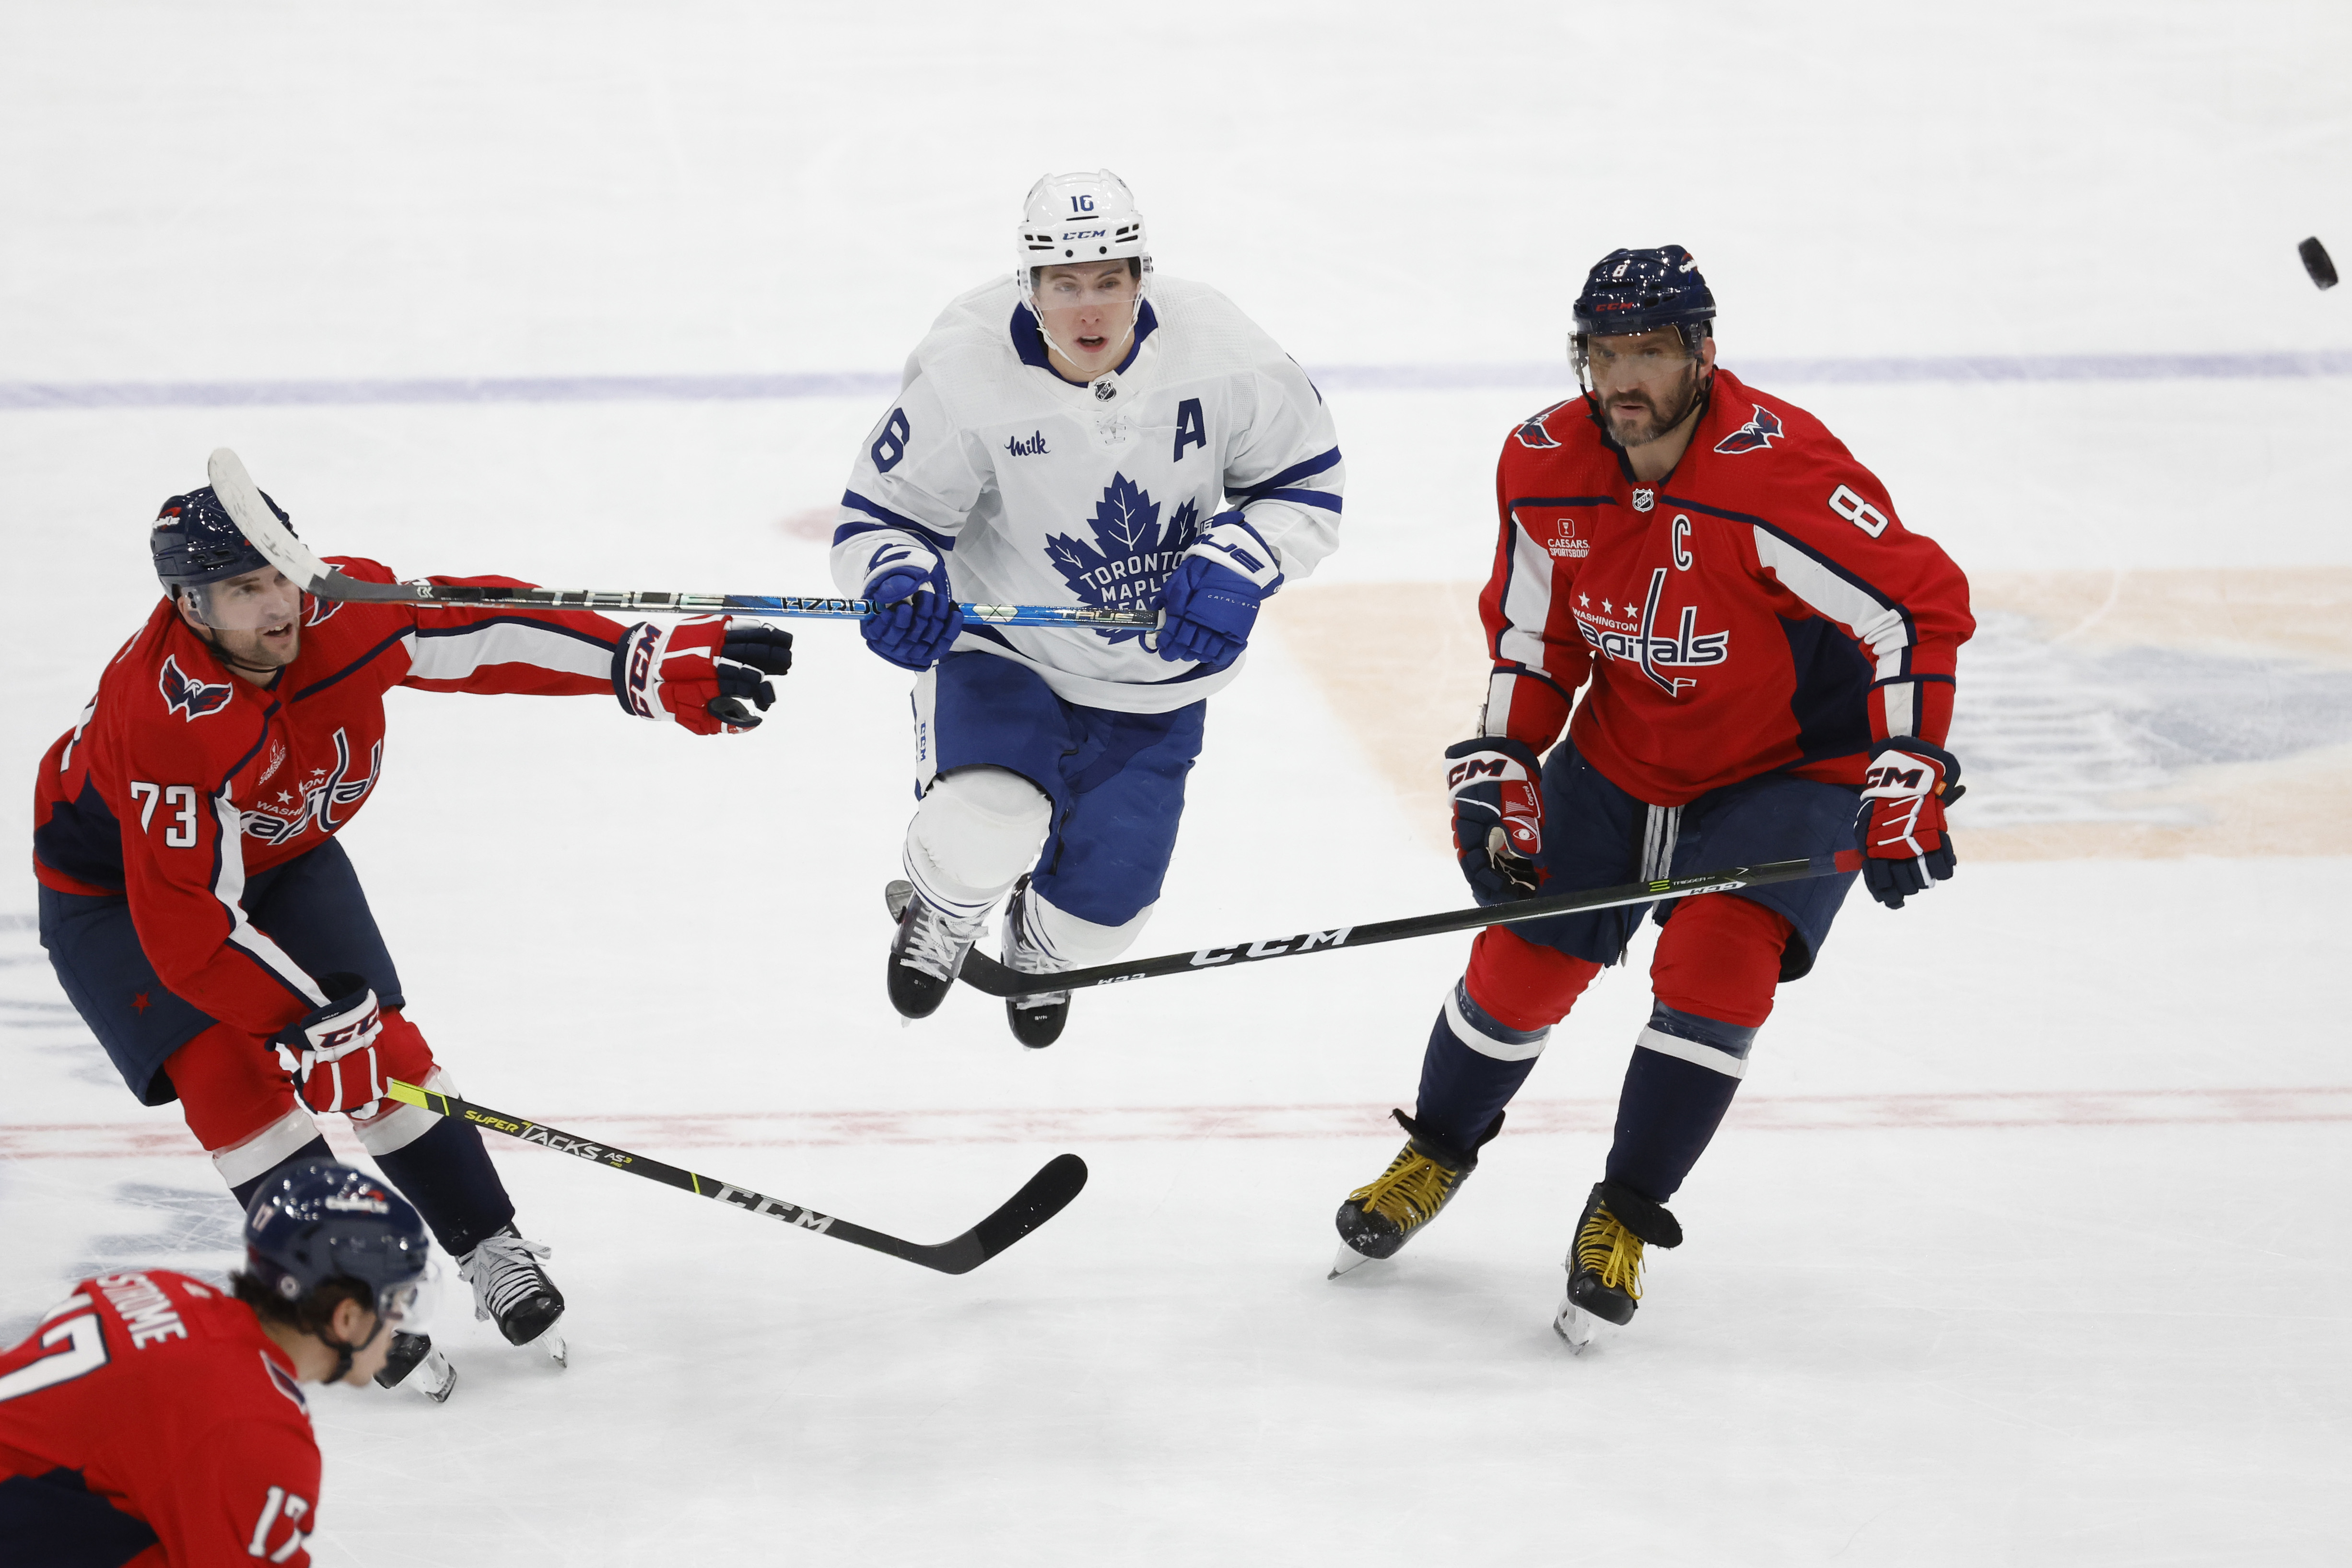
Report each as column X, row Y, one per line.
column 212, row 933
column 1078, row 432
column 1766, row 644
column 154, row 1418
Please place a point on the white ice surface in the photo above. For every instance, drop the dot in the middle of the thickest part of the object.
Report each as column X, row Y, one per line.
column 2025, row 1243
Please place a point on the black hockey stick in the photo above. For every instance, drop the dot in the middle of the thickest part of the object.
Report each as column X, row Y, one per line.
column 262, row 529
column 985, row 974
column 1048, row 1194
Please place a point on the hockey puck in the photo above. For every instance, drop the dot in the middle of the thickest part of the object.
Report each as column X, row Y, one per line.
column 2316, row 262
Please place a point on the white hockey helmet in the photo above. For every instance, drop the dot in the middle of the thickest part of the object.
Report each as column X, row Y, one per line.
column 1071, row 218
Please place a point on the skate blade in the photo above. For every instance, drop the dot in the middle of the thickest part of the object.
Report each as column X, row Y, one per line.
column 1348, row 1260
column 432, row 1377
column 1575, row 1325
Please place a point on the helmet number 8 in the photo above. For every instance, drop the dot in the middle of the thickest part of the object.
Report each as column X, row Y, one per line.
column 1858, row 511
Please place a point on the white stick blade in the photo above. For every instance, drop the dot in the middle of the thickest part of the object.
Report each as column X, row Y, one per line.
column 241, row 497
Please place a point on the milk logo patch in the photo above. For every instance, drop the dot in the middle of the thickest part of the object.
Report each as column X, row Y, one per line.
column 190, row 699
column 1753, row 436
column 1131, row 553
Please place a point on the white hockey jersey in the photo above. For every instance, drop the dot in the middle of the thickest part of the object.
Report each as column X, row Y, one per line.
column 1037, row 492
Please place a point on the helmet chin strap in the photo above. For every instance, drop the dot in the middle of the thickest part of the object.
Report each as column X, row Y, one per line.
column 346, row 1353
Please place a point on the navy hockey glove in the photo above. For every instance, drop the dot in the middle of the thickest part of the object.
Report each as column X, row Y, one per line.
column 333, row 1047
column 1906, row 846
column 1210, row 605
column 918, row 619
column 700, row 672
column 1497, row 788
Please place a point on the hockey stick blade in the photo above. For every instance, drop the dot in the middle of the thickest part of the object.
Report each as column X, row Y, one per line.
column 1046, row 1195
column 984, row 974
column 276, row 543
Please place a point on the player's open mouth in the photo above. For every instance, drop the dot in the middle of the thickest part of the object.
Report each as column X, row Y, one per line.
column 1092, row 344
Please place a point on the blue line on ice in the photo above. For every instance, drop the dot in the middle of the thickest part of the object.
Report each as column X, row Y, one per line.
column 747, row 387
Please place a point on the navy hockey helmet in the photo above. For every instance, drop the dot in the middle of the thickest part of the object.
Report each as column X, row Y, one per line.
column 321, row 1221
column 1630, row 291
column 195, row 541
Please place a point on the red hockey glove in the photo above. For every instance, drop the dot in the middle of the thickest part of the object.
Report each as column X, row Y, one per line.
column 1906, row 846
column 700, row 672
column 1497, row 788
column 333, row 1047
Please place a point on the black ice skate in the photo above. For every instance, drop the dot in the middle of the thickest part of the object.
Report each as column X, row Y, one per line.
column 1377, row 1220
column 1036, row 1020
column 511, row 1289
column 1604, row 1263
column 409, row 1353
column 927, row 952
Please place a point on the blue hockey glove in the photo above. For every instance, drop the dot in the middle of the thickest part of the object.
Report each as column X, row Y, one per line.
column 1906, row 847
column 1211, row 601
column 919, row 620
column 1496, row 784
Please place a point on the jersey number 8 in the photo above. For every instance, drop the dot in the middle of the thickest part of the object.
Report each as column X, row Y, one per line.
column 1858, row 511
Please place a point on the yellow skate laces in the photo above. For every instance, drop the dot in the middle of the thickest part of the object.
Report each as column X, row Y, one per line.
column 1410, row 1191
column 1606, row 1247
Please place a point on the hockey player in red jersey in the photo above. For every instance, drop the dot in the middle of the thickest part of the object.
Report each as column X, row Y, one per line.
column 153, row 1419
column 1767, row 655
column 204, row 921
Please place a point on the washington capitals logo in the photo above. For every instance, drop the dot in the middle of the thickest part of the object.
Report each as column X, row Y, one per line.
column 320, row 608
column 191, row 699
column 1533, row 434
column 1753, row 436
column 1132, row 554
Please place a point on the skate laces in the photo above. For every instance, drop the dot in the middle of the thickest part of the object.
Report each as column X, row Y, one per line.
column 1025, row 955
column 1410, row 1191
column 1605, row 1247
column 503, row 1270
column 936, row 943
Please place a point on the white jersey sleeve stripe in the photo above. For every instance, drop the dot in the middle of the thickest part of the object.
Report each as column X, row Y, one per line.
column 1526, row 602
column 455, row 652
column 1883, row 627
column 228, row 888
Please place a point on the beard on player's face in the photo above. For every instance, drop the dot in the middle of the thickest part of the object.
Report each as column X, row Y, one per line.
column 1638, row 415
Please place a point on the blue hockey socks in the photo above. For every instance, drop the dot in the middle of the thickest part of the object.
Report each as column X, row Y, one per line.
column 447, row 1174
column 1685, row 1070
column 1473, row 1065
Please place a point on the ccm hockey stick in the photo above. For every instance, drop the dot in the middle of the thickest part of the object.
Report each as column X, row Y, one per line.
column 1048, row 1194
column 243, row 500
column 985, row 974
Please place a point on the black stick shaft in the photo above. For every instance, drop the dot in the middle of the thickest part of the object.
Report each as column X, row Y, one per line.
column 987, row 974
column 1046, row 1194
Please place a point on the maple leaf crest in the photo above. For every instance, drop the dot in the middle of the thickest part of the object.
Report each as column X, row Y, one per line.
column 1129, row 559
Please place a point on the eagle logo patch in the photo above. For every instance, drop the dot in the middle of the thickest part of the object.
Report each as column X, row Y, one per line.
column 191, row 699
column 1753, row 436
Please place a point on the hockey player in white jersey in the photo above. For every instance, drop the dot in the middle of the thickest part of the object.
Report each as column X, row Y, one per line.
column 1078, row 431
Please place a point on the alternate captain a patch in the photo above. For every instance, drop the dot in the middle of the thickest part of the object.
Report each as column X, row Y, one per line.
column 190, row 699
column 1753, row 436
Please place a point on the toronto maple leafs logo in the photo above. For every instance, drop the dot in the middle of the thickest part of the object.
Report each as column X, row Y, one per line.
column 191, row 699
column 1132, row 554
column 1753, row 436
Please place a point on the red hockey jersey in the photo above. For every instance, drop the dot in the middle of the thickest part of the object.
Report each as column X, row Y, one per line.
column 182, row 780
column 1761, row 608
column 149, row 1413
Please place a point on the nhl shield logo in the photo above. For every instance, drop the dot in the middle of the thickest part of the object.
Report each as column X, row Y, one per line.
column 1645, row 499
